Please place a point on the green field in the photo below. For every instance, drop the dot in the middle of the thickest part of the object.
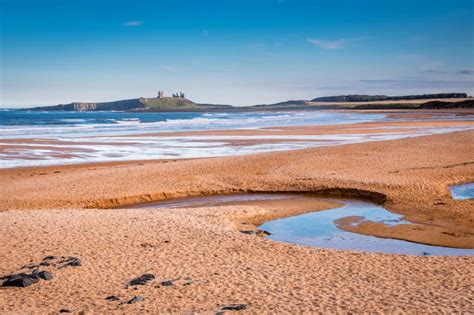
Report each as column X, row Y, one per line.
column 168, row 103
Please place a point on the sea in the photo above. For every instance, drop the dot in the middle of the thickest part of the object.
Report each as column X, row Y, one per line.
column 40, row 138
column 53, row 124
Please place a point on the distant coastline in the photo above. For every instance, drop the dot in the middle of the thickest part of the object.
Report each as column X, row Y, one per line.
column 178, row 103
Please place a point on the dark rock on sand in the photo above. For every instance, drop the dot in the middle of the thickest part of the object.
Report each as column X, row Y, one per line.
column 166, row 283
column 45, row 275
column 19, row 280
column 136, row 299
column 256, row 232
column 188, row 281
column 64, row 310
column 49, row 258
column 142, row 280
column 30, row 266
column 249, row 232
column 112, row 298
column 25, row 280
column 70, row 262
column 234, row 307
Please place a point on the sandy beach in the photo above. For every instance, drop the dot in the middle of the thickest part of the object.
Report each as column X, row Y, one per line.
column 62, row 211
column 236, row 157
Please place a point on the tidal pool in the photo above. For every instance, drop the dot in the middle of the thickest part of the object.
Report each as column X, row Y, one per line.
column 318, row 228
column 463, row 191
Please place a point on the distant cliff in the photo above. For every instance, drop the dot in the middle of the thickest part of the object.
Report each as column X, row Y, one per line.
column 137, row 104
column 123, row 105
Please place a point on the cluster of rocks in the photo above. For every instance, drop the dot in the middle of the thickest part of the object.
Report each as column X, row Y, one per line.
column 135, row 299
column 58, row 262
column 25, row 279
column 141, row 280
column 144, row 280
column 232, row 307
column 148, row 277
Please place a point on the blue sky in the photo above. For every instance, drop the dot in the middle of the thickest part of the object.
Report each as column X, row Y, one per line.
column 232, row 52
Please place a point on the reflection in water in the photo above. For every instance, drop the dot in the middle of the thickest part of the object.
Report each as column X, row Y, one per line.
column 318, row 229
column 462, row 192
column 206, row 201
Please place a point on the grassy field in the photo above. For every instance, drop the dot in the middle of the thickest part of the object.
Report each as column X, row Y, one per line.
column 168, row 103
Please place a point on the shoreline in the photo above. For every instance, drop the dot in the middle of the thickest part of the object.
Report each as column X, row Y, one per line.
column 26, row 152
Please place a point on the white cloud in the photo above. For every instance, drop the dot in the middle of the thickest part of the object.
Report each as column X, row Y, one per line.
column 332, row 44
column 133, row 23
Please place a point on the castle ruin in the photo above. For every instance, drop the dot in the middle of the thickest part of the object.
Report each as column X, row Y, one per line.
column 174, row 95
column 178, row 95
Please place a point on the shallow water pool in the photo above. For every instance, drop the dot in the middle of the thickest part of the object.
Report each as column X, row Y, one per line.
column 319, row 228
column 463, row 191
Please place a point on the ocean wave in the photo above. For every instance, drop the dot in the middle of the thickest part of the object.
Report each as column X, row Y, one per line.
column 74, row 120
column 100, row 124
column 203, row 121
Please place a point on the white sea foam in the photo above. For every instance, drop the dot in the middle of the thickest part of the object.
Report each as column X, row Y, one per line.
column 145, row 148
column 74, row 120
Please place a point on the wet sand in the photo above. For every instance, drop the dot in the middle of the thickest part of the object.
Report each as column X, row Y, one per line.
column 360, row 128
column 423, row 233
column 51, row 211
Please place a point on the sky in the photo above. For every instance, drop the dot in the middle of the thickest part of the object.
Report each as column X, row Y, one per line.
column 239, row 52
